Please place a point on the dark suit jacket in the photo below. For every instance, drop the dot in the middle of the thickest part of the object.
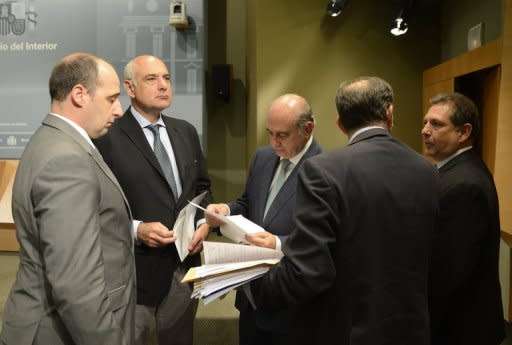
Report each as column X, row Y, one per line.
column 465, row 297
column 129, row 155
column 358, row 258
column 279, row 219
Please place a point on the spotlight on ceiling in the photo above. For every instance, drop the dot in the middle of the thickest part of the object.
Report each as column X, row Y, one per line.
column 401, row 22
column 400, row 27
column 335, row 7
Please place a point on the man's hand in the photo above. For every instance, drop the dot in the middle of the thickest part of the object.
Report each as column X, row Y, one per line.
column 154, row 234
column 222, row 209
column 262, row 239
column 196, row 244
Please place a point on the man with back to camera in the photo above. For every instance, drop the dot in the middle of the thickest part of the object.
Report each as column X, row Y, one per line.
column 357, row 260
column 159, row 163
column 76, row 279
column 464, row 298
column 290, row 126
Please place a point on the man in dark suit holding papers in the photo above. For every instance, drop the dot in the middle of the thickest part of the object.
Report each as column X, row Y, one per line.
column 357, row 261
column 159, row 163
column 268, row 201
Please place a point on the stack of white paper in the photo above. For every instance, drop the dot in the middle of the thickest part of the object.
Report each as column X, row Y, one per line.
column 227, row 267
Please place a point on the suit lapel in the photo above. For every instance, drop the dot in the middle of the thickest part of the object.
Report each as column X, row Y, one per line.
column 289, row 187
column 466, row 155
column 63, row 126
column 179, row 148
column 132, row 129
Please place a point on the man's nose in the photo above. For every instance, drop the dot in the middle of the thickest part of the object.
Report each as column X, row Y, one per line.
column 118, row 109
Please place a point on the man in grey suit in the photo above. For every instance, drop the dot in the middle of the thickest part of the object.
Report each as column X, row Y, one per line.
column 76, row 279
column 356, row 262
column 268, row 200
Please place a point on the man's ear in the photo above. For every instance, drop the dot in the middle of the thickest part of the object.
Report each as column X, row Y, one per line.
column 389, row 117
column 129, row 87
column 341, row 126
column 465, row 132
column 308, row 129
column 79, row 95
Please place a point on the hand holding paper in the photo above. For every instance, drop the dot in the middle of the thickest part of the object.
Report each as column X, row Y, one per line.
column 213, row 213
column 184, row 227
column 233, row 227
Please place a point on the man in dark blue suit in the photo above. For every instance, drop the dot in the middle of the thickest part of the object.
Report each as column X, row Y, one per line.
column 464, row 290
column 356, row 263
column 269, row 200
column 159, row 163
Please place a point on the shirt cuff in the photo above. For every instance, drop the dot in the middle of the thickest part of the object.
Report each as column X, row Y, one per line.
column 278, row 243
column 200, row 222
column 135, row 224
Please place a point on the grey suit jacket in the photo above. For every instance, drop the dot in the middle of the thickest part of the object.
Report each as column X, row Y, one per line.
column 76, row 279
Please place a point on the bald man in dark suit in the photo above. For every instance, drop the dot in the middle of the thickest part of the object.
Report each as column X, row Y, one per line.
column 290, row 125
column 157, row 188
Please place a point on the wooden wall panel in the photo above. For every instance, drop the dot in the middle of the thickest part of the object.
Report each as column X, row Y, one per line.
column 490, row 105
column 503, row 160
column 433, row 89
column 8, row 240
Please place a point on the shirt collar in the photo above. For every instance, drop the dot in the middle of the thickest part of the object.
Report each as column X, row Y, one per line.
column 79, row 129
column 143, row 122
column 362, row 130
column 446, row 160
column 296, row 159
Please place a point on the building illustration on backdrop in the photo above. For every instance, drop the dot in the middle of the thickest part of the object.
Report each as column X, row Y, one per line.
column 16, row 16
column 185, row 45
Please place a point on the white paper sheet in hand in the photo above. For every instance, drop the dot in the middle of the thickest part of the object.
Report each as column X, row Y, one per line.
column 234, row 227
column 237, row 226
column 184, row 227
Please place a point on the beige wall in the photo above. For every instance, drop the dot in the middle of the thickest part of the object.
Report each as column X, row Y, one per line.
column 227, row 121
column 458, row 16
column 298, row 49
column 291, row 46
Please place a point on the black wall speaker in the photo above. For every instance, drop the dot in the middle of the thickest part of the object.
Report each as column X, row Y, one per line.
column 221, row 74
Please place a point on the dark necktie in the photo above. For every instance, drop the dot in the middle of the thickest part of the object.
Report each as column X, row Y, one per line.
column 278, row 183
column 163, row 158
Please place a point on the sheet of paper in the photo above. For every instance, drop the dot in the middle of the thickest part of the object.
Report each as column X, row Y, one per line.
column 235, row 227
column 206, row 271
column 220, row 252
column 213, row 290
column 184, row 226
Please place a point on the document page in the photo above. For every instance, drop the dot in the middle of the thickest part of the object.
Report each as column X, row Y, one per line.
column 219, row 252
column 184, row 227
column 227, row 266
column 235, row 227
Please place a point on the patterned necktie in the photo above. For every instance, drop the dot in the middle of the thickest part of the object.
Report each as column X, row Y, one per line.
column 163, row 158
column 278, row 183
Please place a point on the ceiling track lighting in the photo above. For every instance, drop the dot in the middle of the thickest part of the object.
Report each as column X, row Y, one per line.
column 401, row 22
column 335, row 7
column 400, row 26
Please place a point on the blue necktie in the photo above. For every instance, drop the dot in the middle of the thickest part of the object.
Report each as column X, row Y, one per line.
column 278, row 183
column 163, row 158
